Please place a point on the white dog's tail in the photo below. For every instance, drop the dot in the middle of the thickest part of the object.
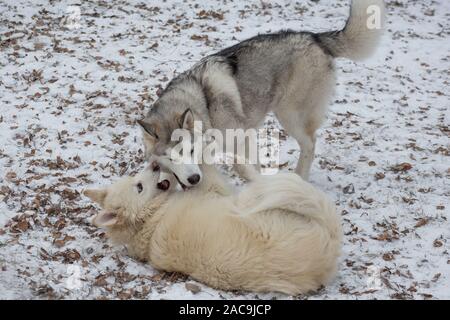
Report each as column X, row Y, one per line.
column 361, row 34
column 287, row 191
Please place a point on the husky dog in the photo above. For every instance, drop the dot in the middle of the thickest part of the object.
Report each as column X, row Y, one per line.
column 290, row 73
column 278, row 234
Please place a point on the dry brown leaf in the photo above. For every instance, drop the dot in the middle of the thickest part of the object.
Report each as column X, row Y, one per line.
column 193, row 288
column 402, row 167
column 421, row 222
column 388, row 256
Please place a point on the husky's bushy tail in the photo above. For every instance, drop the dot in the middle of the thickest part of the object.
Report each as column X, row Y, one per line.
column 359, row 38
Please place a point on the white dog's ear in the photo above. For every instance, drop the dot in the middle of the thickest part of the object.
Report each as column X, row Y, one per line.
column 187, row 120
column 105, row 219
column 98, row 195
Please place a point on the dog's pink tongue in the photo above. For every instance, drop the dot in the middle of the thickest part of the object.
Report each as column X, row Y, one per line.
column 163, row 185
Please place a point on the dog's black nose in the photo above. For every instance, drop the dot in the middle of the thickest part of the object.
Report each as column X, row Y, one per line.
column 194, row 179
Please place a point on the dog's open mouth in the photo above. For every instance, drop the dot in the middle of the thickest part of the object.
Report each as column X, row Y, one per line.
column 163, row 185
column 181, row 183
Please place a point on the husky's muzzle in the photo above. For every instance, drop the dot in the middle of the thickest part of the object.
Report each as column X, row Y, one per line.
column 187, row 175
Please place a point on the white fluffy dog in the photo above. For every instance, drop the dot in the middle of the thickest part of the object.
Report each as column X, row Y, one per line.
column 278, row 234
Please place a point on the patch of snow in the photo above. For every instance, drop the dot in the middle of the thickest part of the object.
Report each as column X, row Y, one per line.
column 70, row 97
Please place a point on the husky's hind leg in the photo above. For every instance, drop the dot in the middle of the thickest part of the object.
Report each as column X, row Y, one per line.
column 302, row 110
column 301, row 118
column 305, row 138
column 307, row 144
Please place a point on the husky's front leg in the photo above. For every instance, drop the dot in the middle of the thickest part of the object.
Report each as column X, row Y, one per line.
column 246, row 171
column 214, row 181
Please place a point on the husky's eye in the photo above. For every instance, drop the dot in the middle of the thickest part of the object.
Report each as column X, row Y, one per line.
column 139, row 187
column 155, row 166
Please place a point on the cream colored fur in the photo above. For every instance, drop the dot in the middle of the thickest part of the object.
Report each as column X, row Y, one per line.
column 278, row 234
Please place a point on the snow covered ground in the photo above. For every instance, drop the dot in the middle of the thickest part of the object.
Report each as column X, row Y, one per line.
column 71, row 90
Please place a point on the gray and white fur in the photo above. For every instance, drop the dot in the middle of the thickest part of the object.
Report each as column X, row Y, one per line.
column 289, row 73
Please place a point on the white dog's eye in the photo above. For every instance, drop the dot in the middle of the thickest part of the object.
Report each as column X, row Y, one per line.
column 139, row 187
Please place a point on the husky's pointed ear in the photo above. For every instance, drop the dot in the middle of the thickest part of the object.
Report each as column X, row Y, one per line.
column 148, row 129
column 187, row 120
column 149, row 136
column 105, row 219
column 98, row 195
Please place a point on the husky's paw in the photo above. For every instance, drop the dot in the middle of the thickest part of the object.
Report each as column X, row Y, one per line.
column 215, row 182
column 247, row 172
